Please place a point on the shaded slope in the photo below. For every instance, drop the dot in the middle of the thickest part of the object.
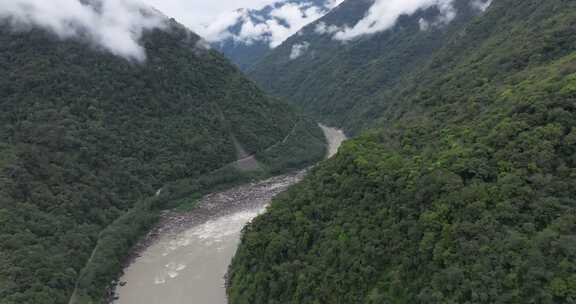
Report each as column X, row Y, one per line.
column 336, row 80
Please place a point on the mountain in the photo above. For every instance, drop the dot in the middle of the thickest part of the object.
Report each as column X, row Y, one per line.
column 87, row 138
column 346, row 75
column 248, row 34
column 460, row 187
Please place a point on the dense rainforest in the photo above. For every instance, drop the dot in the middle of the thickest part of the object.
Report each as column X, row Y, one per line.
column 463, row 189
column 88, row 138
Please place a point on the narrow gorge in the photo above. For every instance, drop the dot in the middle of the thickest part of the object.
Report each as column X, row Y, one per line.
column 187, row 254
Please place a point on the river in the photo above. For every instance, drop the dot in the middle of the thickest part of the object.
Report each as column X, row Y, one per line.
column 187, row 260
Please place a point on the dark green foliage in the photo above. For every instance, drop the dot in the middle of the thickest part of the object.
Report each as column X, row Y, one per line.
column 336, row 81
column 188, row 204
column 86, row 139
column 303, row 143
column 114, row 244
column 465, row 193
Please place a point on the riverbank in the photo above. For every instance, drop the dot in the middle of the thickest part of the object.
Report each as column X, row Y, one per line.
column 219, row 204
column 187, row 254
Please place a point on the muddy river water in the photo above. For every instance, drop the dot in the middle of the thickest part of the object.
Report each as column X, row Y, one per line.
column 187, row 259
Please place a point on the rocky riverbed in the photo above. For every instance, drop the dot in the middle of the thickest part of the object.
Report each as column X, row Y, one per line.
column 185, row 257
column 253, row 196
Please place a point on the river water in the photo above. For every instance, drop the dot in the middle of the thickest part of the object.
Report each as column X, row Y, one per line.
column 187, row 263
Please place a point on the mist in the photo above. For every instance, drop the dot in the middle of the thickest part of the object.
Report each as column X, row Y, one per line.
column 113, row 25
column 482, row 5
column 287, row 18
column 384, row 13
column 299, row 49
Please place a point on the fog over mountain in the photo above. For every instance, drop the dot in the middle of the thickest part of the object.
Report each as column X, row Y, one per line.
column 243, row 34
column 272, row 24
column 102, row 103
column 334, row 52
column 114, row 25
column 460, row 184
column 246, row 35
column 384, row 14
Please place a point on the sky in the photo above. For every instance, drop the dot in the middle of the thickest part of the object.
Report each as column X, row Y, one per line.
column 196, row 14
column 117, row 25
column 212, row 18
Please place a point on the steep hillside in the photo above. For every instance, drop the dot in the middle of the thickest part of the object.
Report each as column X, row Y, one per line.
column 86, row 138
column 464, row 193
column 336, row 80
column 254, row 33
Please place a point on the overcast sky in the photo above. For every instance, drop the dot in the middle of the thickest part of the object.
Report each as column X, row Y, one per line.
column 195, row 13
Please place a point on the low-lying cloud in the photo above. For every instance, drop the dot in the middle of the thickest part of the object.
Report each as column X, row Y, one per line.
column 447, row 14
column 114, row 25
column 384, row 13
column 299, row 49
column 322, row 28
column 284, row 20
column 482, row 5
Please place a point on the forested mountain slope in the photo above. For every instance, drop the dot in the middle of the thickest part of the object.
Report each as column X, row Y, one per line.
column 465, row 193
column 338, row 80
column 86, row 136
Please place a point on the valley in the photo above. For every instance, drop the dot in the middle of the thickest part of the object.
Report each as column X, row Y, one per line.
column 187, row 254
column 88, row 137
column 145, row 161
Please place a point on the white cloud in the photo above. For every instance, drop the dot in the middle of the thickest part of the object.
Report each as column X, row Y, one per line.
column 482, row 5
column 118, row 26
column 295, row 16
column 201, row 14
column 252, row 32
column 424, row 24
column 202, row 44
column 115, row 25
column 218, row 29
column 286, row 19
column 333, row 3
column 298, row 50
column 385, row 13
column 447, row 15
column 322, row 28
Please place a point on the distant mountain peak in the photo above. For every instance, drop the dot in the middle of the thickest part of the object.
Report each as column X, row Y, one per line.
column 245, row 35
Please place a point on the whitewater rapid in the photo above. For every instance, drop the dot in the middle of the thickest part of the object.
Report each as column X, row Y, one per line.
column 188, row 262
